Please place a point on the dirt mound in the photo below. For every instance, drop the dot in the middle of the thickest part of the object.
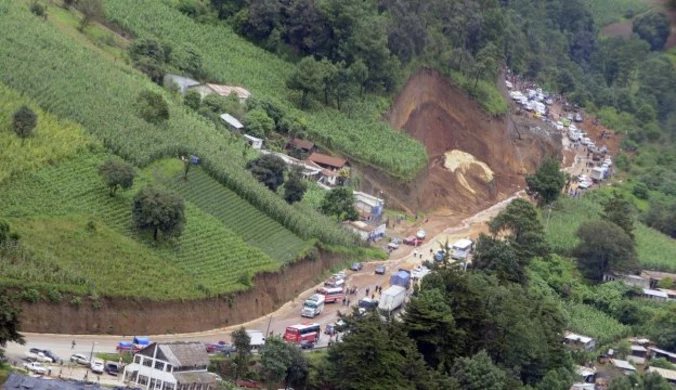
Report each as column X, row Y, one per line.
column 474, row 160
column 618, row 29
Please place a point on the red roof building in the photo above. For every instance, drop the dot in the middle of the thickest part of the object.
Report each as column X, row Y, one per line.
column 329, row 162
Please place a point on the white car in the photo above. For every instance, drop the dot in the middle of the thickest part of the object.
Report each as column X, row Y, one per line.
column 35, row 367
column 79, row 359
column 37, row 357
column 97, row 366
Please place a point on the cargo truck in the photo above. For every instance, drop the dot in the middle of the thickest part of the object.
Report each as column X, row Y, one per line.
column 401, row 278
column 391, row 299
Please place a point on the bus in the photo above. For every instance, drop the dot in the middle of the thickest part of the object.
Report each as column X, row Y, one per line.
column 301, row 332
column 331, row 294
column 313, row 306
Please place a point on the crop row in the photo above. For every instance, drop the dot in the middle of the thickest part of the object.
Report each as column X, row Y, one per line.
column 255, row 227
column 361, row 135
column 589, row 321
column 76, row 83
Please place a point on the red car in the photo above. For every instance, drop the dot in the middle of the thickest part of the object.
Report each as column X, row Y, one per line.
column 413, row 240
column 247, row 384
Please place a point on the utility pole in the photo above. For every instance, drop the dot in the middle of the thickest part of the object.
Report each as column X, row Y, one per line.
column 91, row 354
column 267, row 330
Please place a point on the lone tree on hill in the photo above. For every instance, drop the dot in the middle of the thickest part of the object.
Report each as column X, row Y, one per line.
column 621, row 212
column 92, row 10
column 295, row 188
column 269, row 170
column 339, row 202
column 117, row 174
column 548, row 181
column 306, row 78
column 9, row 321
column 159, row 211
column 24, row 122
column 520, row 224
column 604, row 247
column 152, row 107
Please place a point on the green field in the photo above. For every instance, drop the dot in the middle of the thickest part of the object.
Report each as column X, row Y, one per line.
column 78, row 83
column 230, row 58
column 588, row 321
column 256, row 228
column 610, row 11
column 68, row 203
column 655, row 250
column 52, row 141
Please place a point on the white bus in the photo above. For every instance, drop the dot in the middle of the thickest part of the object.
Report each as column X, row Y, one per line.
column 313, row 306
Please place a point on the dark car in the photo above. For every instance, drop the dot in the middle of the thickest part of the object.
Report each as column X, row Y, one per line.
column 36, row 350
column 112, row 369
column 356, row 266
column 52, row 355
column 381, row 269
column 306, row 344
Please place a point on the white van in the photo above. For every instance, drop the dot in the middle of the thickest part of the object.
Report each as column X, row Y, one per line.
column 461, row 249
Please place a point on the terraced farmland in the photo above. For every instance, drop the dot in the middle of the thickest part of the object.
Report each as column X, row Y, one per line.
column 69, row 203
column 256, row 228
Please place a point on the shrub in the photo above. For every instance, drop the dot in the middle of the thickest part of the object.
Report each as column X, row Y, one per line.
column 31, row 295
column 152, row 107
column 54, row 296
column 39, row 10
column 76, row 301
column 641, row 191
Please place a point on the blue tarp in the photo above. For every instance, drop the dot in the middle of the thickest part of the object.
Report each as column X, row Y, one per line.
column 125, row 344
column 141, row 340
column 401, row 278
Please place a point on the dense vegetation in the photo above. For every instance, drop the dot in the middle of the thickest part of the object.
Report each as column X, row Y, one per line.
column 103, row 100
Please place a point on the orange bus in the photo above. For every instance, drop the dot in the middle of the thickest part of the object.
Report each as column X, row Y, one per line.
column 300, row 332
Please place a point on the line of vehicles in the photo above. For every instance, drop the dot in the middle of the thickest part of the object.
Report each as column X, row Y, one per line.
column 36, row 358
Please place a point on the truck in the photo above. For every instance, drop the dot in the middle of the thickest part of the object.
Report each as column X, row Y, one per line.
column 391, row 299
column 461, row 249
column 401, row 278
column 313, row 306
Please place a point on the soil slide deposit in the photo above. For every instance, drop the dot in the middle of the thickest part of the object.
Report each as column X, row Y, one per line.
column 474, row 160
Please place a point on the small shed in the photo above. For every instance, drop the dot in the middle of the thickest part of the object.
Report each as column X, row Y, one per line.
column 304, row 145
column 670, row 356
column 180, row 82
column 655, row 294
column 623, row 365
column 232, row 122
column 256, row 143
column 576, row 340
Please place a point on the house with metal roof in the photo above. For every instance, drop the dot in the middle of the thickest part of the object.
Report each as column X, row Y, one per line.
column 223, row 90
column 180, row 82
column 576, row 340
column 669, row 375
column 170, row 366
column 20, row 382
column 232, row 122
column 623, row 366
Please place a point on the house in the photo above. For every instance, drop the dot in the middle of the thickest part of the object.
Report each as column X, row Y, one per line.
column 170, row 366
column 660, row 353
column 370, row 207
column 669, row 375
column 255, row 143
column 588, row 374
column 631, row 280
column 232, row 122
column 19, row 382
column 638, row 354
column 179, row 82
column 223, row 90
column 365, row 231
column 655, row 294
column 309, row 170
column 623, row 365
column 670, row 293
column 655, row 277
column 304, row 145
column 579, row 341
column 331, row 167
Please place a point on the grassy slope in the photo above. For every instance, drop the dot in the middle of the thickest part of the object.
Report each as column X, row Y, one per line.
column 59, row 204
column 607, row 11
column 235, row 61
column 78, row 83
column 52, row 140
column 655, row 250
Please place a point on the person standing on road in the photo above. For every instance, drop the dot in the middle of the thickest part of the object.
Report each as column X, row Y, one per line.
column 367, row 292
column 73, row 345
column 348, row 301
column 344, row 301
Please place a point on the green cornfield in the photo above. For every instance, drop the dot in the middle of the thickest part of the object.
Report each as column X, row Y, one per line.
column 588, row 321
column 363, row 136
column 256, row 228
column 76, row 83
column 68, row 203
column 606, row 12
column 52, row 141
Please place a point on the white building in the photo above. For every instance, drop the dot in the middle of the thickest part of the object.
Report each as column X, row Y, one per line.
column 255, row 143
column 223, row 90
column 365, row 231
column 574, row 339
column 170, row 366
column 232, row 122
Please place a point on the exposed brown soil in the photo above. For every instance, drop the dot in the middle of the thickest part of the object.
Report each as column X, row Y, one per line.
column 618, row 29
column 128, row 316
column 437, row 113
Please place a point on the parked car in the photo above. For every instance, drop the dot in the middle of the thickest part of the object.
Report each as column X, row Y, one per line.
column 306, row 344
column 127, row 346
column 36, row 350
column 356, row 266
column 578, row 118
column 79, row 359
column 220, row 347
column 35, row 367
column 112, row 369
column 247, row 384
column 413, row 240
column 55, row 358
column 381, row 269
column 97, row 366
column 37, row 357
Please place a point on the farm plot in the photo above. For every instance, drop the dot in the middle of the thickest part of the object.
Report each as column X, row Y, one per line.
column 69, row 203
column 589, row 321
column 361, row 135
column 51, row 141
column 606, row 12
column 256, row 228
column 77, row 83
